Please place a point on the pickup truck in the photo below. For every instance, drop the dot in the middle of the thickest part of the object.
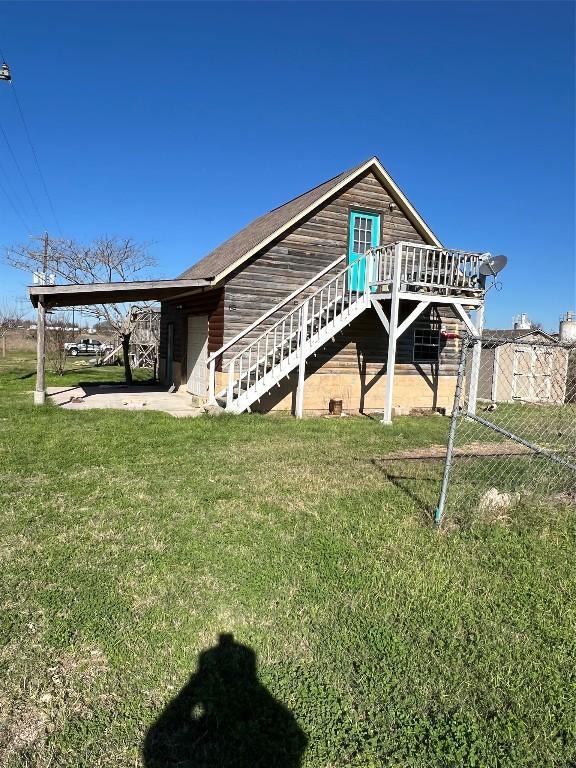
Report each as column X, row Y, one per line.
column 87, row 347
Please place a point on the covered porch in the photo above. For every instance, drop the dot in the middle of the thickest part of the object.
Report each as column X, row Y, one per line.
column 48, row 297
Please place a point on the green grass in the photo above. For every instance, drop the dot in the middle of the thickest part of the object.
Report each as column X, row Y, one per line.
column 130, row 541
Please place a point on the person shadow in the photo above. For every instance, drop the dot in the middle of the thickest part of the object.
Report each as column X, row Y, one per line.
column 224, row 718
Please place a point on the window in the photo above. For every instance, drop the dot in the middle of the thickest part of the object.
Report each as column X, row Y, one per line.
column 426, row 344
column 363, row 233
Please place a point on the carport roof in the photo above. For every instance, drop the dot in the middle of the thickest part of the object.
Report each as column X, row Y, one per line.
column 110, row 293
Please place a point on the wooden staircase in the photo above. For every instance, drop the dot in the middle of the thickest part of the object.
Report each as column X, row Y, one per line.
column 299, row 333
column 412, row 272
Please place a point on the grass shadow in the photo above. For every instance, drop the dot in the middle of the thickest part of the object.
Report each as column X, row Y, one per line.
column 119, row 386
column 411, row 484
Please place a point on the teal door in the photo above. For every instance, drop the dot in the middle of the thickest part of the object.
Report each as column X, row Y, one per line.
column 364, row 234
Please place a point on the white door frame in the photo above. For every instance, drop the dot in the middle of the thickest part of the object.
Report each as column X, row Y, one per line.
column 197, row 355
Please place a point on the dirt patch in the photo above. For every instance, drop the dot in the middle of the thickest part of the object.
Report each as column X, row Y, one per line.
column 506, row 448
column 43, row 704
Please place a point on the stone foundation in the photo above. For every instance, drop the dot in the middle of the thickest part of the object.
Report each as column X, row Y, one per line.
column 410, row 392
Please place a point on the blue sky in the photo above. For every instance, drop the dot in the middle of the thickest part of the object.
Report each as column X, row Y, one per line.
column 177, row 123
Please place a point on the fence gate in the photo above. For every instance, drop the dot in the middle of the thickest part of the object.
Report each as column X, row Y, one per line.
column 513, row 428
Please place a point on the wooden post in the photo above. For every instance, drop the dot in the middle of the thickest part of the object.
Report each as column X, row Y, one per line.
column 302, row 365
column 211, row 381
column 40, row 391
column 369, row 258
column 392, row 335
column 230, row 390
column 475, row 367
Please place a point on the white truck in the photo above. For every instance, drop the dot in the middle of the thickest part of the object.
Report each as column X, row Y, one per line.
column 87, row 347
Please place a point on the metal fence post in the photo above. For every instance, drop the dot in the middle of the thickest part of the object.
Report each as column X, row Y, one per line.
column 476, row 355
column 439, row 511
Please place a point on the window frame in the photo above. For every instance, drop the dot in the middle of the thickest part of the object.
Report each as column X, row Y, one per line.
column 430, row 330
column 364, row 212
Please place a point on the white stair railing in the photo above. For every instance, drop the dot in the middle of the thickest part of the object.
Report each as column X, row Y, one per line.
column 215, row 356
column 263, row 362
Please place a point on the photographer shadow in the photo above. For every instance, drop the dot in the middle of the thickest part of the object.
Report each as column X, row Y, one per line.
column 224, row 717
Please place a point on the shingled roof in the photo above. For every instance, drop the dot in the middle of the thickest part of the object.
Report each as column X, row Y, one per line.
column 262, row 230
column 495, row 336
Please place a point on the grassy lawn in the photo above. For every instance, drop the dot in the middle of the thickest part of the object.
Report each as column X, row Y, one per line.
column 131, row 541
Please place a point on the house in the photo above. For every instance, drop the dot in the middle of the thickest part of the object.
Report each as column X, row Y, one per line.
column 306, row 294
column 343, row 293
column 523, row 365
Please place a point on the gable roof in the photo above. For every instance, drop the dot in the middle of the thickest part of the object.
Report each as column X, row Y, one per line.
column 248, row 241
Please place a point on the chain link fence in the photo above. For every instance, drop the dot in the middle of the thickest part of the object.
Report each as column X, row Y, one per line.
column 513, row 429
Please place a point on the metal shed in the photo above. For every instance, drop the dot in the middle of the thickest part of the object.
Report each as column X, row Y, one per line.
column 522, row 366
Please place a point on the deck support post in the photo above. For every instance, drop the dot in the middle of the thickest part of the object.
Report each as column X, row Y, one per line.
column 211, row 381
column 392, row 335
column 302, row 365
column 40, row 391
column 475, row 367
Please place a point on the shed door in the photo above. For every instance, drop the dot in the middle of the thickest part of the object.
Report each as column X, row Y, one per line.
column 197, row 355
column 541, row 374
column 521, row 386
column 532, row 374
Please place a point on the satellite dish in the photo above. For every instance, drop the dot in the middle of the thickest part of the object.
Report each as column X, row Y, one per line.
column 491, row 265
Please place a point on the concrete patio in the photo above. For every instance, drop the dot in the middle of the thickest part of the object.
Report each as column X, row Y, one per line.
column 124, row 398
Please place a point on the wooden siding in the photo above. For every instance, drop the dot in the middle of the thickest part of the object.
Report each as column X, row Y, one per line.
column 209, row 303
column 363, row 346
column 317, row 241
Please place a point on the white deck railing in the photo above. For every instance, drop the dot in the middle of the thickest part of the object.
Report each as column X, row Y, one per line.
column 423, row 266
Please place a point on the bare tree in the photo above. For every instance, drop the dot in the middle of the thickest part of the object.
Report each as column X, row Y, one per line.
column 58, row 332
column 104, row 260
column 10, row 318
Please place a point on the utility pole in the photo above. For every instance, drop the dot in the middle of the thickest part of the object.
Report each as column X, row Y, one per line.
column 40, row 391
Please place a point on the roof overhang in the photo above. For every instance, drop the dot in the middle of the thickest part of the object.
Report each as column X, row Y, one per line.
column 385, row 179
column 111, row 293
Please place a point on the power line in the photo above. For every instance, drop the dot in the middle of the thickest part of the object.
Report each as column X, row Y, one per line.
column 25, row 124
column 16, row 211
column 20, row 171
column 13, row 192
